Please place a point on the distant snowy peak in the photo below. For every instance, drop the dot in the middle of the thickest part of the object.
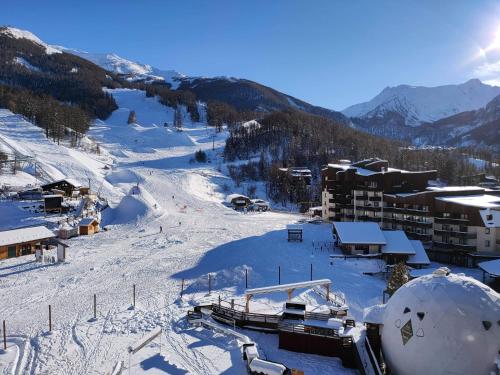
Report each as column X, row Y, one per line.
column 23, row 34
column 135, row 71
column 419, row 104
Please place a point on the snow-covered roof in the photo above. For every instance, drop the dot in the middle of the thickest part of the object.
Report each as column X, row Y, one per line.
column 87, row 221
column 491, row 266
column 373, row 314
column 454, row 188
column 397, row 243
column 294, row 227
column 420, row 256
column 231, row 197
column 260, row 366
column 359, row 233
column 481, row 201
column 277, row 288
column 492, row 221
column 11, row 237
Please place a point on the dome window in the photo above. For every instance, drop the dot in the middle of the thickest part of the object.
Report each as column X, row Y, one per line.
column 486, row 324
column 406, row 332
column 407, row 310
column 421, row 315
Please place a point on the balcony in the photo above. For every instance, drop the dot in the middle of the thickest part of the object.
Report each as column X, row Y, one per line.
column 369, row 218
column 453, row 246
column 456, row 234
column 450, row 220
column 419, row 236
column 406, row 210
column 418, row 223
column 368, row 208
column 375, row 199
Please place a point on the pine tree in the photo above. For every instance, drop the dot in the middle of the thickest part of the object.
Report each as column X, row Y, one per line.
column 132, row 118
column 398, row 278
column 178, row 118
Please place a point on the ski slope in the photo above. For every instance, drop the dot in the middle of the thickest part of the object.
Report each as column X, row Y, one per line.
column 147, row 174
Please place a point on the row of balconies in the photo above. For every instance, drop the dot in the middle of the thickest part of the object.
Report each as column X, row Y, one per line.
column 456, row 234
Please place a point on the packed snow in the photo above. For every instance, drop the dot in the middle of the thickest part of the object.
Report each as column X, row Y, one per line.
column 166, row 227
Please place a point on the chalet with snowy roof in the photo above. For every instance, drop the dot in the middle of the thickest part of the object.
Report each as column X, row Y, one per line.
column 67, row 186
column 298, row 174
column 362, row 238
column 88, row 226
column 359, row 238
column 24, row 241
column 238, row 201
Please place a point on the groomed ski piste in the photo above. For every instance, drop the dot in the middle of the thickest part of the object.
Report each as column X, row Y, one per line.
column 147, row 174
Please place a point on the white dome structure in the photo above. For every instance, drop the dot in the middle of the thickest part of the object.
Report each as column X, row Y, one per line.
column 442, row 324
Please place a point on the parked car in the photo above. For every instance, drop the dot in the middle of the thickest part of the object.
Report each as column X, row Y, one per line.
column 260, row 205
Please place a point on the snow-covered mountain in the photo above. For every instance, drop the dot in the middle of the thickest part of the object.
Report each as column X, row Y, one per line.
column 478, row 128
column 132, row 70
column 419, row 104
column 24, row 34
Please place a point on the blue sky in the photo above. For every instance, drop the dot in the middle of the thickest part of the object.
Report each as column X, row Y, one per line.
column 330, row 53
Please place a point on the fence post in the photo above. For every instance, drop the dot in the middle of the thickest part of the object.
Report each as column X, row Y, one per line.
column 219, row 300
column 4, row 336
column 182, row 287
column 50, row 318
column 279, row 275
column 95, row 307
column 232, row 303
column 246, row 278
column 133, row 296
column 209, row 283
column 311, row 271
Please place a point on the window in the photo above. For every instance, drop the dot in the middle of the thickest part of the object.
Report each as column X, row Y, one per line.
column 487, row 243
column 375, row 204
column 464, row 216
column 489, row 217
column 463, row 228
column 372, row 184
column 486, row 230
column 446, row 214
column 446, row 227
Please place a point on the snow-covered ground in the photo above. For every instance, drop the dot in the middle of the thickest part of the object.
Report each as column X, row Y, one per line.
column 148, row 175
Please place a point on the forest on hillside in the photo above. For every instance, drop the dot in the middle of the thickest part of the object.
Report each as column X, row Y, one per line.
column 294, row 138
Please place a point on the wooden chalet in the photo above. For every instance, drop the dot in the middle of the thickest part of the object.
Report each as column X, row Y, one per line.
column 24, row 241
column 66, row 186
column 88, row 226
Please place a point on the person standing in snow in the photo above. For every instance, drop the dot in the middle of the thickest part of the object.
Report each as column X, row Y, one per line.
column 161, row 229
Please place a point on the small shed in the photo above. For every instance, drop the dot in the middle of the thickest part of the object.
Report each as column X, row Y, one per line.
column 238, row 201
column 52, row 202
column 294, row 232
column 88, row 226
column 67, row 231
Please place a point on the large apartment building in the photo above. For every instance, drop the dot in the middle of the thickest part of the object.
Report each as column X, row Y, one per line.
column 458, row 219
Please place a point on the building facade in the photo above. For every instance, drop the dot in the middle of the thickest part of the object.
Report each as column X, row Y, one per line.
column 444, row 218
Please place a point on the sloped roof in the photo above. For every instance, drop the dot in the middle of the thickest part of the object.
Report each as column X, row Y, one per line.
column 11, row 237
column 397, row 243
column 491, row 266
column 420, row 256
column 359, row 233
column 87, row 221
